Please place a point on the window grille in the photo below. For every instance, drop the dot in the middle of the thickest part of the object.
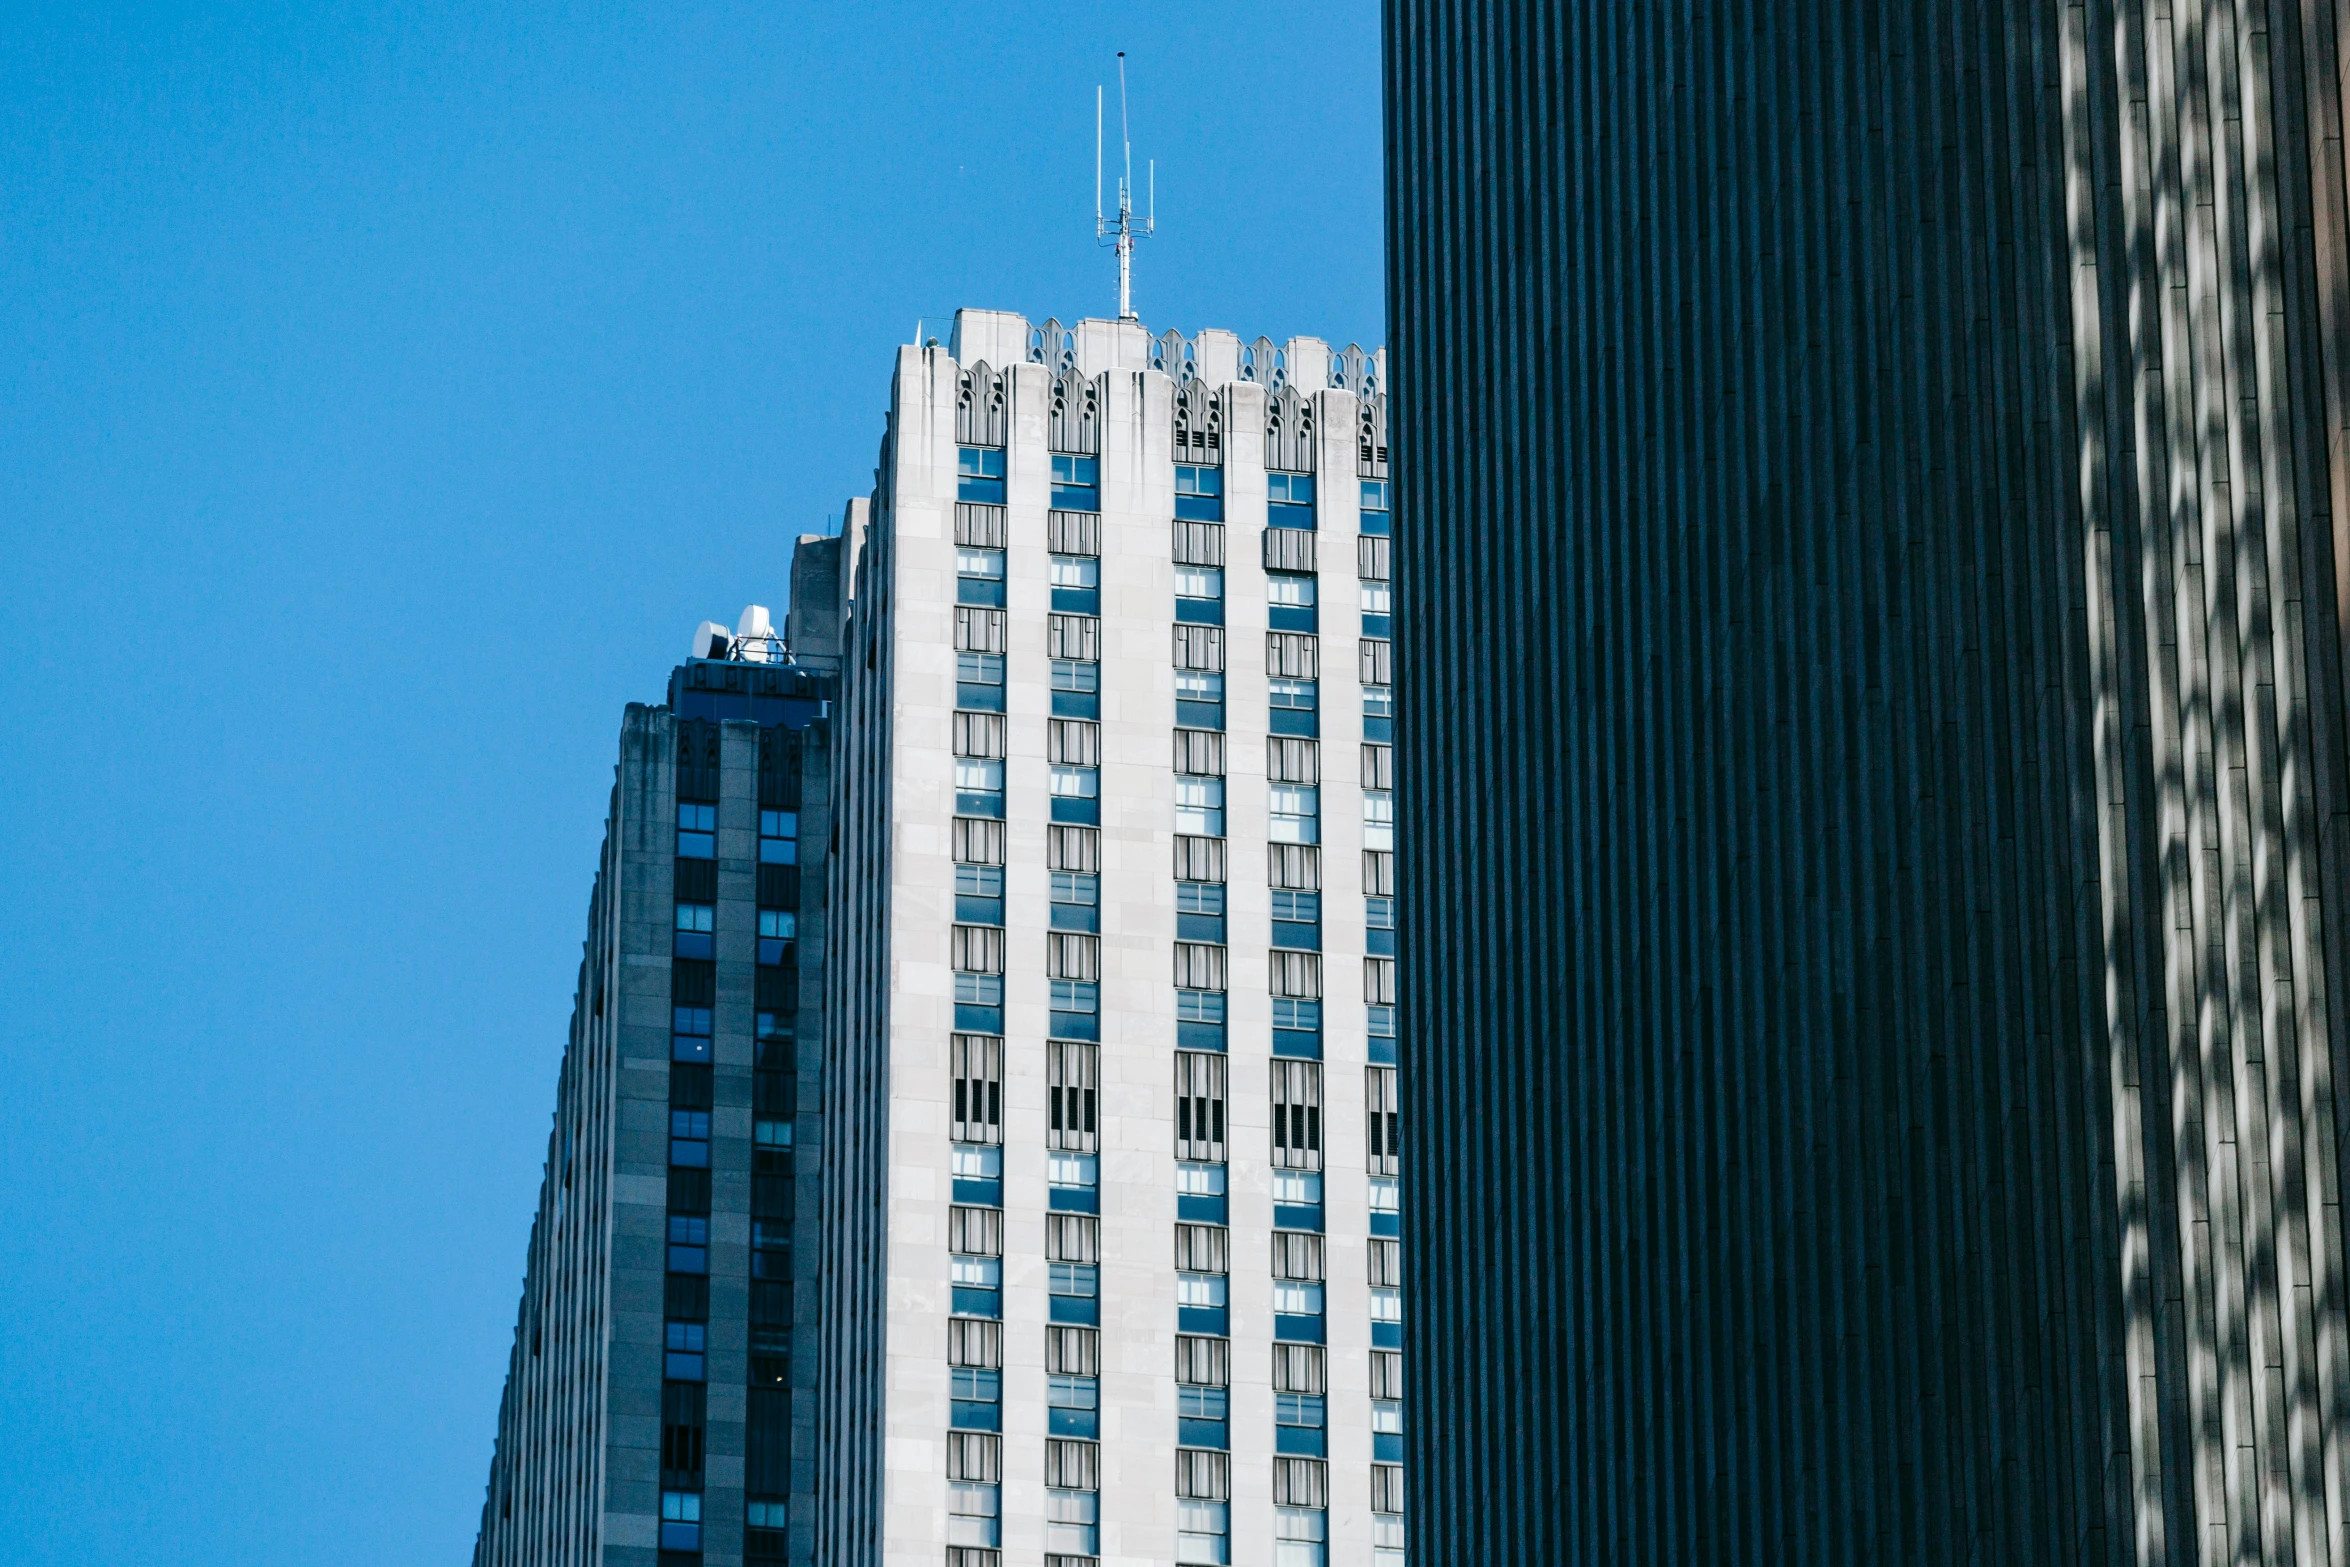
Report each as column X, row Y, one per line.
column 979, row 527
column 1299, row 1368
column 1202, row 1248
column 1199, row 965
column 1292, row 655
column 1387, row 1488
column 1199, row 543
column 1203, row 1362
column 979, row 407
column 1381, row 1145
column 978, row 841
column 1072, row 1466
column 1069, row 955
column 1293, row 867
column 1202, row 1476
column 972, row 1341
column 1378, row 661
column 1300, row 1482
column 1199, row 859
column 1298, row 975
column 1293, row 761
column 1072, row 1352
column 1073, row 533
column 975, row 1455
column 1386, row 1264
column 976, row 1063
column 1386, row 1373
column 1297, row 1115
column 975, row 1232
column 1073, row 636
column 1073, row 742
column 1379, row 873
column 978, row 630
column 1199, row 753
column 1289, row 549
column 981, row 735
column 1297, row 1256
column 1072, row 1089
column 1379, row 982
column 1072, row 1237
column 1199, row 1106
column 1378, row 767
column 978, row 949
column 1200, row 647
column 1371, row 558
column 1071, row 848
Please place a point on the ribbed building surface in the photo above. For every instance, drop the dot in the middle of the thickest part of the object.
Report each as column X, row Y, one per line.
column 1872, row 779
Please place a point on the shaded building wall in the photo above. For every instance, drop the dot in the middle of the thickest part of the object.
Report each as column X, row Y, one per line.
column 1871, row 779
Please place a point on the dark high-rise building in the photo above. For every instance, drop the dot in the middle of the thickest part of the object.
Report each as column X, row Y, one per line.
column 658, row 1400
column 1871, row 536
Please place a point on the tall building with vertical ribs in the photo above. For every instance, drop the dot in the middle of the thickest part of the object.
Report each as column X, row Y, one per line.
column 1873, row 523
column 657, row 1409
column 1110, row 1219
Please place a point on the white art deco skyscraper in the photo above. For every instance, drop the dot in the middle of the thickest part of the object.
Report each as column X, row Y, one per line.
column 1110, row 1215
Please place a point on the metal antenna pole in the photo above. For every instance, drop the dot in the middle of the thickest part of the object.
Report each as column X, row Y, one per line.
column 1124, row 229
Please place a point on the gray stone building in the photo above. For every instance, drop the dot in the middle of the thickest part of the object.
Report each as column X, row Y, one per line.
column 1110, row 1210
column 657, row 1409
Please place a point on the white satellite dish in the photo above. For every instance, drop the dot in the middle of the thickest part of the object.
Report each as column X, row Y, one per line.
column 711, row 640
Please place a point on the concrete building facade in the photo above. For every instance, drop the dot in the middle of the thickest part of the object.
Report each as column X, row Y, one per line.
column 1111, row 1227
column 657, row 1409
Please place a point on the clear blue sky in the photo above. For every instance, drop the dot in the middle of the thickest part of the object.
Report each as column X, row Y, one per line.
column 385, row 392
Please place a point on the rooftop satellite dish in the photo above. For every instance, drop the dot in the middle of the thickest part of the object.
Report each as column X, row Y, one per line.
column 711, row 640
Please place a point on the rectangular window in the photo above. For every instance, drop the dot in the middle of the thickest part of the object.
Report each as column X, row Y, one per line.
column 689, row 1034
column 1296, row 696
column 1072, row 1083
column 1290, row 490
column 689, row 1244
column 1199, row 897
column 1199, row 1006
column 985, row 1273
column 1299, row 1409
column 976, row 1065
column 695, row 922
column 681, row 1520
column 1295, row 1298
column 979, row 990
column 979, row 881
column 1074, row 783
column 1378, row 701
column 1076, row 887
column 1297, row 1115
column 1294, row 1012
column 1199, row 1106
column 1075, row 1278
column 1077, row 483
column 1376, row 495
column 1296, row 811
column 1076, row 571
column 778, row 929
column 682, row 1360
column 1200, row 1289
column 1285, row 591
column 1071, row 674
column 979, row 563
column 697, row 831
column 978, row 774
column 1199, row 806
column 1076, row 995
column 1199, row 493
column 1378, row 820
column 1377, row 599
column 1199, row 582
column 1382, row 1147
column 689, row 1139
column 779, row 837
column 1305, row 907
column 979, row 475
column 985, row 669
column 1379, row 913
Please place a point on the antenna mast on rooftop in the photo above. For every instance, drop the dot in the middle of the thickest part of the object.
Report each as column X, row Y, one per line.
column 1124, row 229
